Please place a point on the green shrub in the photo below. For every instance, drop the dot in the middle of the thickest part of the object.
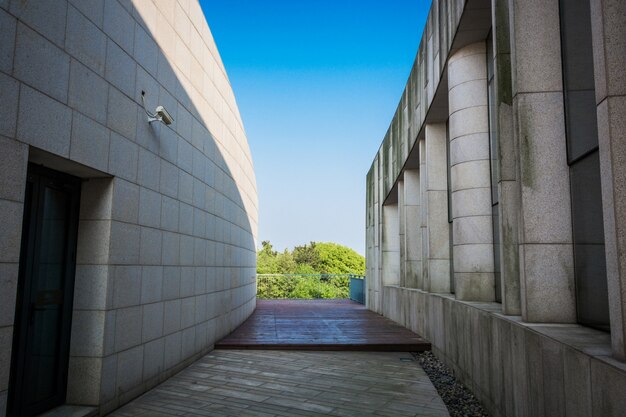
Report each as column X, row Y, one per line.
column 303, row 287
column 318, row 265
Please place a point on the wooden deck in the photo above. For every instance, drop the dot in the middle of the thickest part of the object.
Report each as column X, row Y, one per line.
column 320, row 325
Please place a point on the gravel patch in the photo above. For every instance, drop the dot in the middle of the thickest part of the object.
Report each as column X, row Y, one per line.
column 459, row 400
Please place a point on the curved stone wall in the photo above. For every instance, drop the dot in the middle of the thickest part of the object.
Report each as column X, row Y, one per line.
column 166, row 257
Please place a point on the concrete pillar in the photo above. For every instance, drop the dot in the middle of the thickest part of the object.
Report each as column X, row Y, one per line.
column 608, row 19
column 545, row 225
column 508, row 186
column 373, row 249
column 470, row 174
column 436, row 210
column 391, row 246
column 421, row 282
column 373, row 284
column 412, row 237
column 401, row 232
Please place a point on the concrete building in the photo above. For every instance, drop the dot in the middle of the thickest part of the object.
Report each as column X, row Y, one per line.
column 496, row 205
column 127, row 246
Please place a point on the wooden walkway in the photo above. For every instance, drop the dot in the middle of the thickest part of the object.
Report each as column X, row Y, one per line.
column 320, row 325
column 256, row 383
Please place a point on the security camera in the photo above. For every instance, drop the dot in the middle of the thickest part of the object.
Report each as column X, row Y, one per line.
column 163, row 115
column 160, row 114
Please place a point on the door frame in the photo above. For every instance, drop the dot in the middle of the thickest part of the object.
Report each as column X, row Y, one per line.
column 37, row 177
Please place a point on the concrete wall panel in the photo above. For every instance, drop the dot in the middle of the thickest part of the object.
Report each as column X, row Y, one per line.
column 515, row 369
column 609, row 48
column 524, row 357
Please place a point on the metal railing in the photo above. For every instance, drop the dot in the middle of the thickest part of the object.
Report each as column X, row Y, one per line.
column 309, row 286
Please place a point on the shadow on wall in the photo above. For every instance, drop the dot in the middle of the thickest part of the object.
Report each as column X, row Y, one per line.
column 204, row 163
column 198, row 170
column 216, row 152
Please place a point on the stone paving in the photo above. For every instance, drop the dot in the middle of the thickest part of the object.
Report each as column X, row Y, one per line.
column 293, row 383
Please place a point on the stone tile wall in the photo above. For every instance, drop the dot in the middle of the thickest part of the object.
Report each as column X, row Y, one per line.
column 166, row 250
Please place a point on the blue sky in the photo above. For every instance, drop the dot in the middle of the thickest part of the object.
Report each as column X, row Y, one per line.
column 317, row 83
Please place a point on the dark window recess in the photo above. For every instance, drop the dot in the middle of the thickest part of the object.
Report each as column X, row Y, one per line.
column 582, row 156
column 494, row 166
column 448, row 169
column 450, row 240
column 589, row 257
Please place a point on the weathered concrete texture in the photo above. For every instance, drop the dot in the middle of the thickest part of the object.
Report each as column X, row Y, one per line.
column 412, row 211
column 535, row 361
column 420, row 90
column 435, row 211
column 374, row 245
column 516, row 369
column 168, row 219
column 534, row 29
column 423, row 230
column 507, row 159
column 611, row 116
column 402, row 234
column 255, row 383
column 391, row 245
column 545, row 226
column 608, row 19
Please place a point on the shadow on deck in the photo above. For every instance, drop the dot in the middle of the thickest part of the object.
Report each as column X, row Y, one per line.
column 340, row 325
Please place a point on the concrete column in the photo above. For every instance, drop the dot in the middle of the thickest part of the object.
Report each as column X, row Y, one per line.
column 608, row 19
column 421, row 282
column 470, row 175
column 509, row 186
column 374, row 281
column 413, row 236
column 373, row 249
column 436, row 210
column 401, row 232
column 545, row 225
column 391, row 246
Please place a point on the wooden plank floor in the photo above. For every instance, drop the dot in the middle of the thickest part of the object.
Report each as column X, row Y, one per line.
column 320, row 325
column 245, row 383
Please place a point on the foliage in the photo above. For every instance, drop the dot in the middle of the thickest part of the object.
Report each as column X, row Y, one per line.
column 271, row 262
column 320, row 261
column 303, row 287
column 337, row 259
column 314, row 258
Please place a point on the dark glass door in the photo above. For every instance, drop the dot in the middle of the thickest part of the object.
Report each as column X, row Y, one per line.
column 45, row 292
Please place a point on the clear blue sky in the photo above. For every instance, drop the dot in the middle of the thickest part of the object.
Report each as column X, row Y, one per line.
column 317, row 83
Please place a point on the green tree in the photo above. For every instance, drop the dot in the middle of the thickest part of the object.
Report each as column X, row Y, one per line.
column 313, row 258
column 338, row 259
column 285, row 263
column 266, row 259
column 307, row 255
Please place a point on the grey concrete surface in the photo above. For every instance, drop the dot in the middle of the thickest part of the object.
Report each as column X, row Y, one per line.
column 274, row 383
column 507, row 146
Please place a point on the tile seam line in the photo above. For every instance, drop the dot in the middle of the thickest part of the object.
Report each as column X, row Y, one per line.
column 468, row 81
